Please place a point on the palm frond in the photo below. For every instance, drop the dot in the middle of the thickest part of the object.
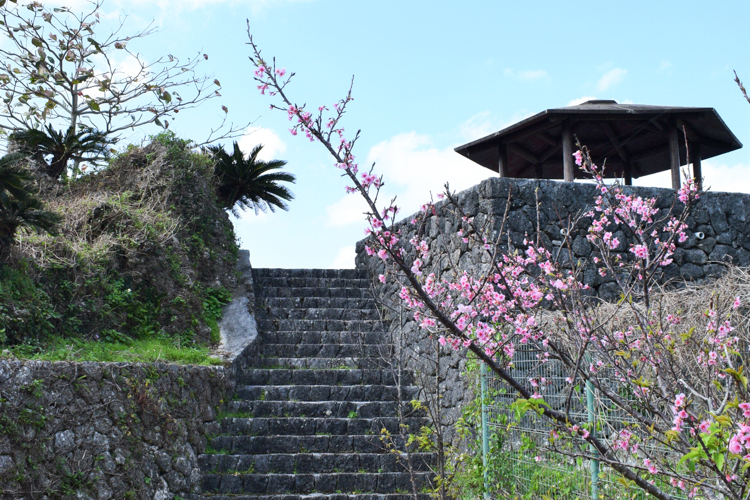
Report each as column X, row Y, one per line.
column 247, row 182
column 14, row 180
column 19, row 207
column 84, row 145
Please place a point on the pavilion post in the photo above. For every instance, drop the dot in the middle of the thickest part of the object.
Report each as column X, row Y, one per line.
column 567, row 147
column 695, row 154
column 674, row 157
column 502, row 163
column 628, row 174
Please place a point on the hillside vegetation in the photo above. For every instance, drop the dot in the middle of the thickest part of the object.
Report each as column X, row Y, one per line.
column 139, row 268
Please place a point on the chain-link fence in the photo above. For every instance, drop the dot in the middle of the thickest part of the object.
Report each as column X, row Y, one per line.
column 519, row 447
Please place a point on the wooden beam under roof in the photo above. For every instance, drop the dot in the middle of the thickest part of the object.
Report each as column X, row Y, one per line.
column 549, row 140
column 523, row 153
column 696, row 137
column 615, row 141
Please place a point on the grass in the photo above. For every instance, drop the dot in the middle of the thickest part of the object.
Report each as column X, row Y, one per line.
column 233, row 414
column 210, row 450
column 134, row 351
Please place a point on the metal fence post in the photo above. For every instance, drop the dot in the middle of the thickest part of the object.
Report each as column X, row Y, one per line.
column 485, row 430
column 594, row 453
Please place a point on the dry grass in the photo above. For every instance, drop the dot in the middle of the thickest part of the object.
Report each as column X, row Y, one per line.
column 98, row 225
column 690, row 301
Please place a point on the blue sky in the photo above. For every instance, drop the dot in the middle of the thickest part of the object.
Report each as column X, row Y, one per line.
column 431, row 75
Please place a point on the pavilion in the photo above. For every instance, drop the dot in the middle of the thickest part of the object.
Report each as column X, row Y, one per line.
column 635, row 140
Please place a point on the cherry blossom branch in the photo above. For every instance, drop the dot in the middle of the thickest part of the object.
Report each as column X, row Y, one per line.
column 528, row 297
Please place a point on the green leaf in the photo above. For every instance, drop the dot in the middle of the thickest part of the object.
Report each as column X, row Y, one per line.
column 626, row 482
column 95, row 44
column 737, row 375
column 166, row 96
column 36, row 42
column 719, row 460
column 693, row 455
column 94, row 105
column 724, row 421
column 520, row 407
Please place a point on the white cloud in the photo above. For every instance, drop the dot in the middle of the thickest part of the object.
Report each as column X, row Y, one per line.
column 478, row 126
column 413, row 169
column 348, row 210
column 665, row 66
column 581, row 100
column 528, row 75
column 718, row 177
column 726, row 178
column 273, row 146
column 610, row 78
column 345, row 258
column 254, row 5
column 483, row 124
column 171, row 7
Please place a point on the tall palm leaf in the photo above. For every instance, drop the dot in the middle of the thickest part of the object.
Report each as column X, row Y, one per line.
column 19, row 207
column 14, row 180
column 250, row 182
column 83, row 145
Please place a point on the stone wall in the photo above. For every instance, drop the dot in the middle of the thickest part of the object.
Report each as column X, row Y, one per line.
column 719, row 232
column 105, row 430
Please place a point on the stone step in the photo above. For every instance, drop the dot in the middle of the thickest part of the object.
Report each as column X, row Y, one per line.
column 259, row 273
column 260, row 376
column 258, row 445
column 316, row 302
column 306, row 420
column 261, row 426
column 324, row 351
column 387, row 482
column 306, row 282
column 320, row 409
column 317, row 337
column 320, row 363
column 320, row 313
column 325, row 393
column 320, row 325
column 312, row 291
column 315, row 463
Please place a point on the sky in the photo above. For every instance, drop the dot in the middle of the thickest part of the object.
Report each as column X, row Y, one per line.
column 430, row 76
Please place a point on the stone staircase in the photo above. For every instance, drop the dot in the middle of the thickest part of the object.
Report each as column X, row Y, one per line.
column 307, row 415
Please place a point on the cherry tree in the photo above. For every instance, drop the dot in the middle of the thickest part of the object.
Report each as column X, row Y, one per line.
column 679, row 372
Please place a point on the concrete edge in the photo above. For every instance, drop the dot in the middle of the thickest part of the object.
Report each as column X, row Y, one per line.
column 238, row 327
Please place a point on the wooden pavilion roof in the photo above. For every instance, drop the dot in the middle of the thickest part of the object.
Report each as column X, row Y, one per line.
column 635, row 135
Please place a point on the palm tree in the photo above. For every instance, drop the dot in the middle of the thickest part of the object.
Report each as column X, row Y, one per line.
column 87, row 144
column 19, row 207
column 250, row 182
column 14, row 180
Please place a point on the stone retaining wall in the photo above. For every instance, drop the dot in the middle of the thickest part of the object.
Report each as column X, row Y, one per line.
column 722, row 218
column 105, row 430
